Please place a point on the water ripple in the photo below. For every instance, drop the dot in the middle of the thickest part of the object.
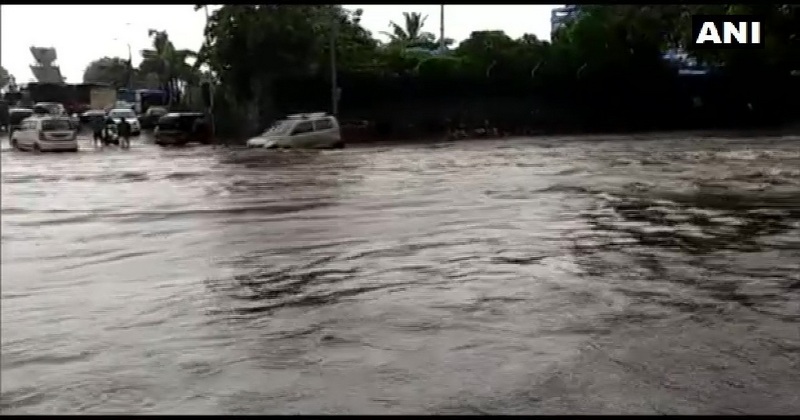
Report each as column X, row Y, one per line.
column 651, row 274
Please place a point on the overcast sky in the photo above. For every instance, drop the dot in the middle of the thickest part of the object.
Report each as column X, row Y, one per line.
column 82, row 33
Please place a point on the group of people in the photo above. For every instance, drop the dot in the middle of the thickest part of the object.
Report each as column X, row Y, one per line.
column 105, row 131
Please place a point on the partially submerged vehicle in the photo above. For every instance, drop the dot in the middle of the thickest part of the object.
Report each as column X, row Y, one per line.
column 318, row 130
column 180, row 128
column 118, row 114
column 4, row 108
column 150, row 118
column 49, row 108
column 45, row 133
column 92, row 114
column 15, row 118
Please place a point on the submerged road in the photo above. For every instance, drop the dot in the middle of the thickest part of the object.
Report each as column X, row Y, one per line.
column 637, row 274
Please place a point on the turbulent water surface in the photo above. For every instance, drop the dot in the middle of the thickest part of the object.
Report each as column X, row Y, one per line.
column 649, row 274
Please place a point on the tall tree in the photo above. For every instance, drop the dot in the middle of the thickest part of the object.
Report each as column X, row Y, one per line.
column 410, row 34
column 111, row 70
column 168, row 63
column 5, row 77
column 248, row 47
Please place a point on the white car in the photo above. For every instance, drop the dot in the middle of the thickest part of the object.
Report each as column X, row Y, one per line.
column 308, row 131
column 51, row 108
column 46, row 134
column 117, row 114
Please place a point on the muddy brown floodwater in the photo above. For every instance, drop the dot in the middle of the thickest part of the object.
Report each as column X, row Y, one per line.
column 639, row 274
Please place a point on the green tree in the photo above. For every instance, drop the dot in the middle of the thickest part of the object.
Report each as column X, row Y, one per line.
column 493, row 54
column 5, row 77
column 168, row 63
column 410, row 34
column 611, row 54
column 356, row 49
column 249, row 47
column 112, row 70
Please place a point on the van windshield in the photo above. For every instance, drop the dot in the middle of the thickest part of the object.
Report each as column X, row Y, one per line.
column 56, row 125
column 280, row 127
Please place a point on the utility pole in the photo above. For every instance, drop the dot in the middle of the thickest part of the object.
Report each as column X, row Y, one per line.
column 129, row 78
column 130, row 67
column 334, row 83
column 210, row 105
column 442, row 45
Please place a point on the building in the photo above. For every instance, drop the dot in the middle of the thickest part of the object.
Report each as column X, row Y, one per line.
column 684, row 63
column 560, row 16
column 45, row 71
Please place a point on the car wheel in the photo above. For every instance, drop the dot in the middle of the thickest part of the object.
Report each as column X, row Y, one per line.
column 36, row 148
column 14, row 144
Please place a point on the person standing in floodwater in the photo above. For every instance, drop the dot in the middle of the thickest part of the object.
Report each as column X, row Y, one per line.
column 98, row 125
column 124, row 131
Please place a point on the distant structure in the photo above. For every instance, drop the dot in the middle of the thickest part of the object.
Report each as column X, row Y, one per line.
column 437, row 51
column 45, row 70
column 560, row 16
column 685, row 63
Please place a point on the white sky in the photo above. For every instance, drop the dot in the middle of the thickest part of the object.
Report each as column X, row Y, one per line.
column 83, row 33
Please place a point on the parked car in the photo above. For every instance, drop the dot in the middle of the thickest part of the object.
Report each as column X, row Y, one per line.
column 313, row 131
column 149, row 119
column 45, row 133
column 180, row 128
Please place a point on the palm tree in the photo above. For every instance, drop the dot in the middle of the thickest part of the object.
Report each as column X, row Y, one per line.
column 168, row 63
column 411, row 33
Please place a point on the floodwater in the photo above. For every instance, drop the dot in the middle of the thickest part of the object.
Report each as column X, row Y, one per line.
column 639, row 274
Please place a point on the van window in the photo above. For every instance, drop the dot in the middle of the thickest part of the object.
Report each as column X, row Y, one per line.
column 323, row 124
column 302, row 128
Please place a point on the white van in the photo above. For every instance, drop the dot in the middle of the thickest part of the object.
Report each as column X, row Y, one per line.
column 49, row 108
column 45, row 134
column 318, row 130
column 118, row 114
